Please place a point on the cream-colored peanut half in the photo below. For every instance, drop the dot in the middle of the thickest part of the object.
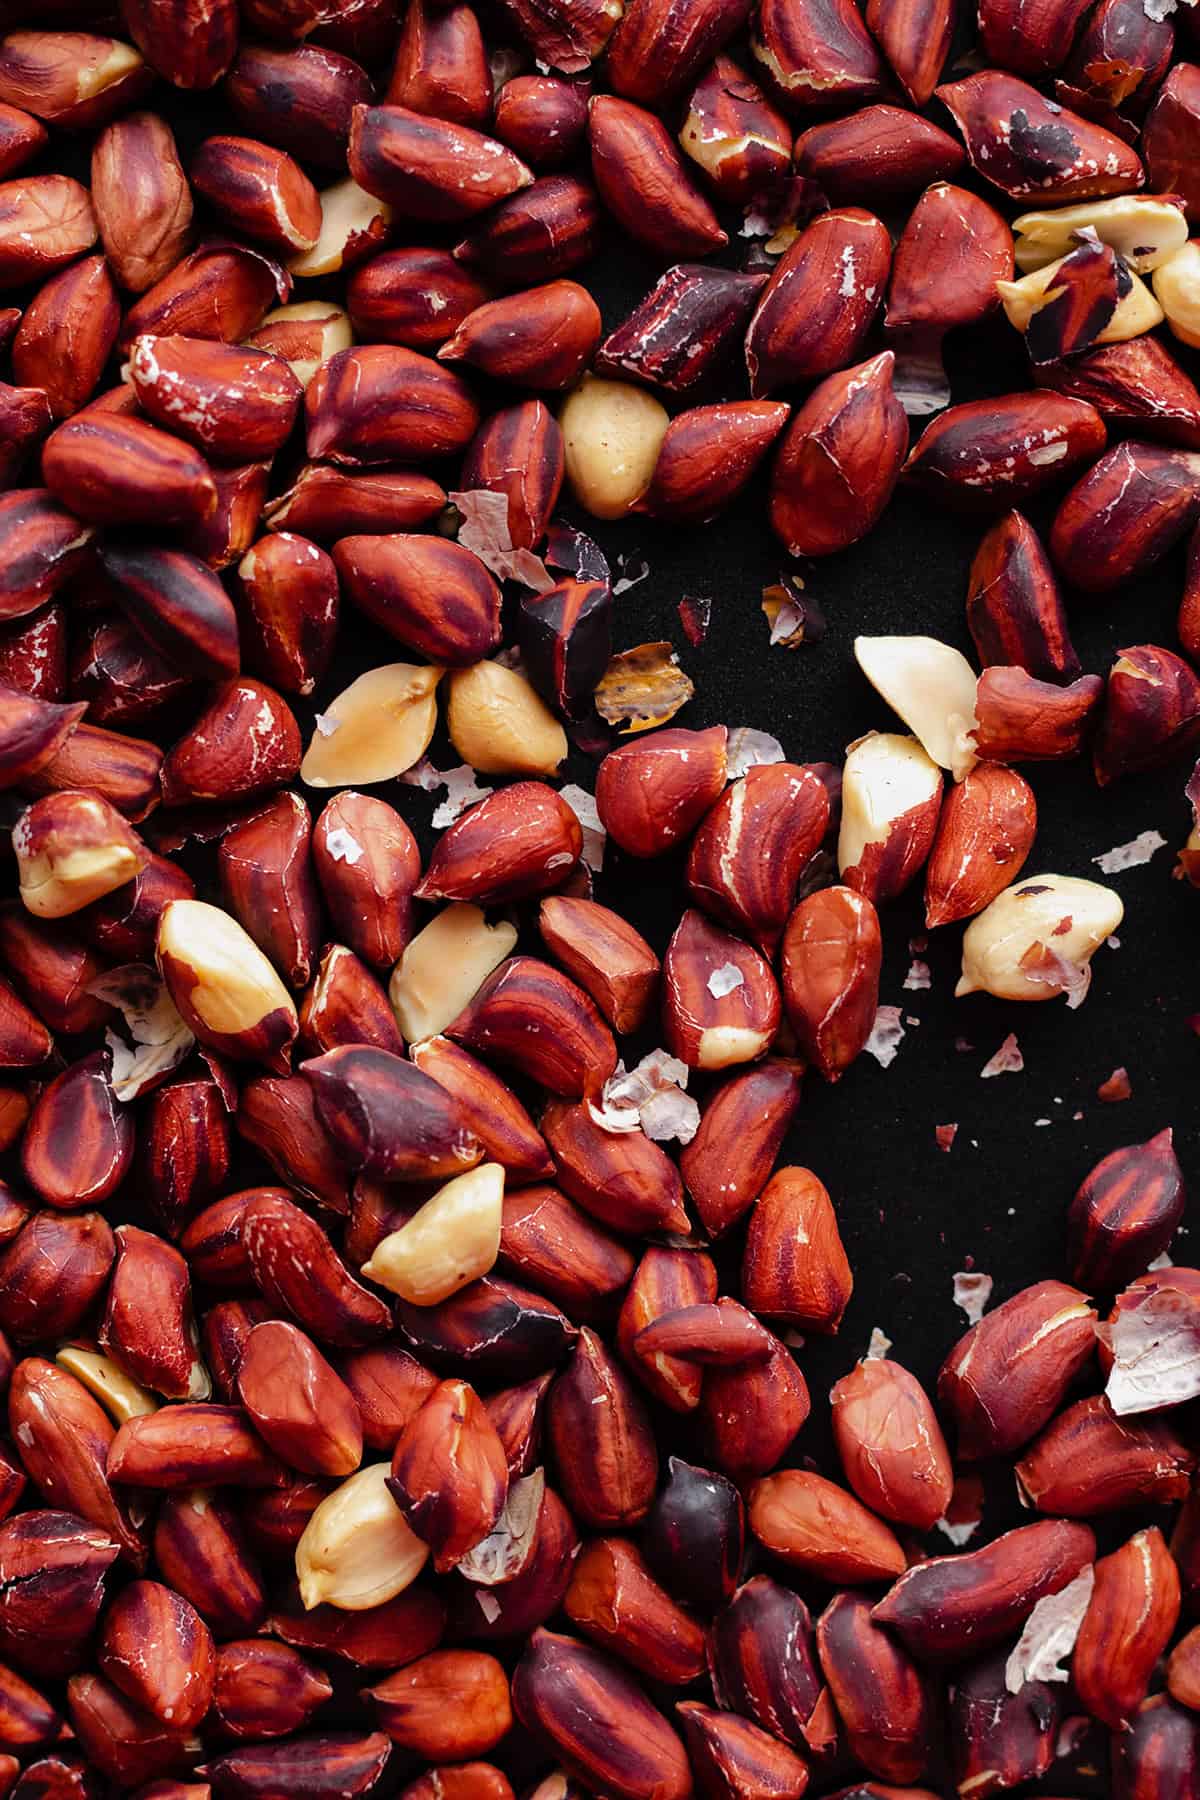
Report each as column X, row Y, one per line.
column 376, row 728
column 1177, row 289
column 612, row 433
column 1136, row 312
column 932, row 687
column 443, row 967
column 346, row 211
column 451, row 1240
column 1142, row 228
column 499, row 723
column 357, row 1551
column 120, row 1396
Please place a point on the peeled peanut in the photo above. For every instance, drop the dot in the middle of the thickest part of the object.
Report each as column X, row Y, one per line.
column 932, row 687
column 1142, row 229
column 612, row 434
column 347, row 212
column 451, row 1240
column 443, row 967
column 376, row 728
column 357, row 1551
column 120, row 1396
column 499, row 724
column 1136, row 311
column 1067, row 917
column 1177, row 289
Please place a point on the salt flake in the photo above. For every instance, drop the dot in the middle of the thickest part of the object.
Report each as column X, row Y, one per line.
column 1049, row 1634
column 878, row 1345
column 748, row 749
column 918, row 976
column 1129, row 856
column 161, row 1040
column 960, row 1533
column 649, row 1098
column 1156, row 1352
column 972, row 1291
column 724, row 980
column 886, row 1035
column 461, row 792
column 1007, row 1060
column 485, row 530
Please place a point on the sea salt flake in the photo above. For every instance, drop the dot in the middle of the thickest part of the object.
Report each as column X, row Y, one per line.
column 959, row 1534
column 326, row 724
column 972, row 1291
column 461, row 792
column 422, row 775
column 485, row 530
column 342, row 846
column 749, row 749
column 918, row 976
column 631, row 573
column 1156, row 1352
column 886, row 1035
column 878, row 1345
column 1131, row 855
column 1049, row 1635
column 1006, row 1061
column 724, row 980
column 650, row 1098
column 160, row 1039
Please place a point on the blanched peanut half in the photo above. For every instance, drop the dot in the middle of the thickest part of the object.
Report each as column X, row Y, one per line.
column 1177, row 288
column 932, row 686
column 499, row 723
column 1036, row 938
column 306, row 334
column 1140, row 227
column 612, row 434
column 120, row 1396
column 1136, row 312
column 216, row 974
column 357, row 1551
column 453, row 1239
column 347, row 212
column 443, row 967
column 376, row 728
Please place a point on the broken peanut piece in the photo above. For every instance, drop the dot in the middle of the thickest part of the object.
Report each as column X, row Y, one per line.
column 376, row 728
column 357, row 1551
column 1037, row 938
column 932, row 687
column 443, row 967
column 451, row 1240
